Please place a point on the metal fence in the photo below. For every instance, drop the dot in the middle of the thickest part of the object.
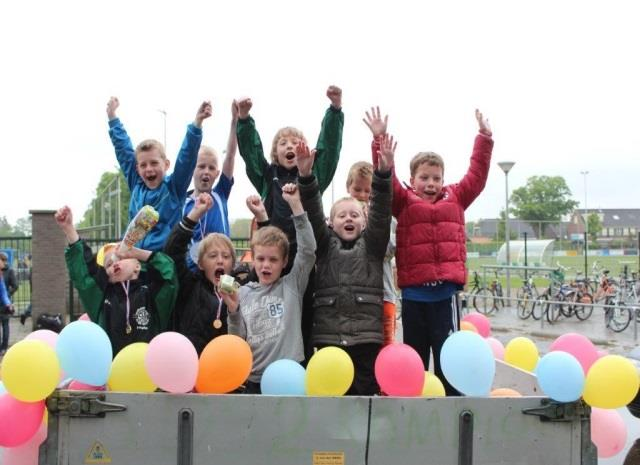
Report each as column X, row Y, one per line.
column 18, row 249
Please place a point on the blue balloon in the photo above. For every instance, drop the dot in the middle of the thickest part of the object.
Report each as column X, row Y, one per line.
column 2, row 388
column 560, row 376
column 283, row 378
column 468, row 364
column 85, row 352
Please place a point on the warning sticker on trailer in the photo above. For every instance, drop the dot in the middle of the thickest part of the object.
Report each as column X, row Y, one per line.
column 97, row 454
column 328, row 458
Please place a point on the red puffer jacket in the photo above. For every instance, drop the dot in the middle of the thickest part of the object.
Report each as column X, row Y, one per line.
column 431, row 236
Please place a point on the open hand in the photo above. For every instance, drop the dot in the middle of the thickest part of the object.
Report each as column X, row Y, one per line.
column 483, row 124
column 386, row 153
column 375, row 123
column 304, row 159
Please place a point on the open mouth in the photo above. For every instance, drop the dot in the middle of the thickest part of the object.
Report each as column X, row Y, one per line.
column 219, row 272
column 151, row 177
column 290, row 156
column 349, row 228
column 205, row 179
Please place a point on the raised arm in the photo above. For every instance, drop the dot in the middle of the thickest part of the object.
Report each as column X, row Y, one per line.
column 250, row 147
column 330, row 140
column 305, row 257
column 378, row 227
column 125, row 154
column 232, row 143
column 64, row 219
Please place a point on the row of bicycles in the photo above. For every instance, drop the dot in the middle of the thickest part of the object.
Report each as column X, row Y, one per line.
column 577, row 297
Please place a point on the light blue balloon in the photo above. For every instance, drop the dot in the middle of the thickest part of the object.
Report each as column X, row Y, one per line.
column 560, row 376
column 85, row 352
column 468, row 364
column 2, row 388
column 283, row 378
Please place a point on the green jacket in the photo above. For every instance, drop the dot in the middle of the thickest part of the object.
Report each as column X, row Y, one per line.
column 151, row 297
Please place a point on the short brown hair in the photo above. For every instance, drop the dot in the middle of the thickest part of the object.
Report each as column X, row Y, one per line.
column 284, row 132
column 430, row 158
column 270, row 236
column 342, row 200
column 150, row 144
column 360, row 169
column 216, row 239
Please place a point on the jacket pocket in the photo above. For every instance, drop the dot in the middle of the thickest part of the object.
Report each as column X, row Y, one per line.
column 368, row 299
column 324, row 301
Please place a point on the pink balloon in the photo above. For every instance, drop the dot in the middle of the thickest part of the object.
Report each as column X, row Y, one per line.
column 579, row 346
column 79, row 386
column 20, row 420
column 481, row 322
column 496, row 347
column 45, row 335
column 27, row 453
column 172, row 362
column 400, row 371
column 602, row 353
column 84, row 317
column 608, row 431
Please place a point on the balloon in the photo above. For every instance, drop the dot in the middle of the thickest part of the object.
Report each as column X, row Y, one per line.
column 283, row 378
column 172, row 362
column 560, row 376
column 84, row 317
column 27, row 453
column 225, row 363
column 2, row 388
column 612, row 382
column 128, row 373
column 505, row 392
column 433, row 387
column 85, row 352
column 44, row 335
column 467, row 326
column 579, row 346
column 30, row 370
column 481, row 322
column 329, row 372
column 78, row 386
column 521, row 352
column 602, row 353
column 20, row 420
column 608, row 432
column 496, row 347
column 400, row 371
column 467, row 363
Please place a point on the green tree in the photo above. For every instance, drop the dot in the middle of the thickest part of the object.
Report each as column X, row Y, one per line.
column 22, row 227
column 5, row 227
column 543, row 198
column 102, row 214
column 240, row 228
column 595, row 227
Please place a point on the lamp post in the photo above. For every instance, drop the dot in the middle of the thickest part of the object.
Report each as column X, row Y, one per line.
column 586, row 225
column 164, row 122
column 506, row 167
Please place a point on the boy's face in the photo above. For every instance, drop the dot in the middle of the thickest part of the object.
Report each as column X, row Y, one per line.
column 268, row 263
column 121, row 270
column 216, row 261
column 206, row 172
column 360, row 188
column 151, row 167
column 427, row 182
column 348, row 220
column 286, row 151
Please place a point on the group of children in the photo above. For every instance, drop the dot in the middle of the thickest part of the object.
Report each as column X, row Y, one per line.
column 315, row 281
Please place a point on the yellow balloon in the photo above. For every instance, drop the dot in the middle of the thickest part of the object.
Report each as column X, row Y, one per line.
column 128, row 372
column 432, row 386
column 612, row 382
column 521, row 352
column 30, row 370
column 329, row 373
column 468, row 326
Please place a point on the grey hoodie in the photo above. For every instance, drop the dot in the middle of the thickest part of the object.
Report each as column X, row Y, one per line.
column 269, row 317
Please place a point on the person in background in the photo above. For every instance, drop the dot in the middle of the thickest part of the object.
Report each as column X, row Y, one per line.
column 6, row 310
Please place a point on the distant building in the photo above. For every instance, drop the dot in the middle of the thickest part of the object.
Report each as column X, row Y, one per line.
column 486, row 230
column 620, row 226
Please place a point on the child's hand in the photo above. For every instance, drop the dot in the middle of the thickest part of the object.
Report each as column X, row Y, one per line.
column 386, row 153
column 255, row 205
column 304, row 159
column 204, row 112
column 204, row 202
column 335, row 95
column 232, row 299
column 64, row 218
column 112, row 106
column 291, row 195
column 375, row 123
column 483, row 124
column 244, row 107
column 234, row 110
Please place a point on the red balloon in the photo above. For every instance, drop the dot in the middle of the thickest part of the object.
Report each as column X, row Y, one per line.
column 400, row 371
column 481, row 322
column 19, row 421
column 579, row 346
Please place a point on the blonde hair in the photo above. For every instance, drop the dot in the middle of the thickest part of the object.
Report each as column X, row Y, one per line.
column 360, row 169
column 430, row 158
column 218, row 239
column 149, row 144
column 342, row 200
column 208, row 151
column 270, row 236
column 284, row 132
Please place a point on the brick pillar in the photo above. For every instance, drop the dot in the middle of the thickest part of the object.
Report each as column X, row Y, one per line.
column 49, row 273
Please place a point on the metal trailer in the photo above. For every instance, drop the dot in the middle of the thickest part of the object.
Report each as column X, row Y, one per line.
column 195, row 429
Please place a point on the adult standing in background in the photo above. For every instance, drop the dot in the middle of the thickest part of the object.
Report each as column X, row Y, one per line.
column 9, row 276
column 6, row 309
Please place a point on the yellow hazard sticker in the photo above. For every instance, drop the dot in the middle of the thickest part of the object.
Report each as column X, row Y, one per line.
column 328, row 458
column 97, row 454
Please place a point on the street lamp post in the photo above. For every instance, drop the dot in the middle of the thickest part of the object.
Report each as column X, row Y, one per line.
column 164, row 133
column 506, row 167
column 586, row 225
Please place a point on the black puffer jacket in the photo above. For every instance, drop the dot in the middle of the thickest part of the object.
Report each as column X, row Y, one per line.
column 197, row 304
column 348, row 282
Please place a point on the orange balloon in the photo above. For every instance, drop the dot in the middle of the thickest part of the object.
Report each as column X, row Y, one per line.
column 505, row 392
column 225, row 363
column 467, row 326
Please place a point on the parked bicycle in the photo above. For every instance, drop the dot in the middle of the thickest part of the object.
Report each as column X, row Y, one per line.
column 527, row 296
column 486, row 299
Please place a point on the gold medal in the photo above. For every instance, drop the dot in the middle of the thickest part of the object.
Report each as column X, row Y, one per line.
column 128, row 330
column 217, row 323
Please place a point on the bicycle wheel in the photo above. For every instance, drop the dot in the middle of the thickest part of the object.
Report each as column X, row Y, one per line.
column 483, row 301
column 525, row 303
column 552, row 311
column 583, row 312
column 619, row 317
column 538, row 306
column 567, row 310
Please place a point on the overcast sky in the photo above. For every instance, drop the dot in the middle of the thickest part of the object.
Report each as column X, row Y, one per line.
column 559, row 81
